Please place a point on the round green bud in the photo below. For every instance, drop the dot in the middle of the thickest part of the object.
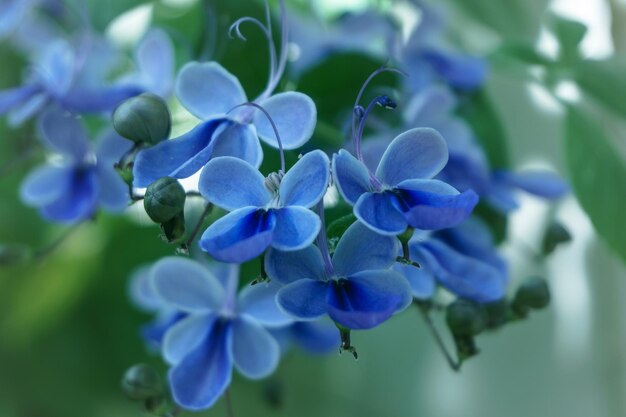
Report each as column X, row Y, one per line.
column 533, row 293
column 164, row 199
column 465, row 318
column 142, row 382
column 555, row 235
column 143, row 119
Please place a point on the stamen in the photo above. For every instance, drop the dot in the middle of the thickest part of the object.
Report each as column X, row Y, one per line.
column 282, row 60
column 322, row 241
column 280, row 142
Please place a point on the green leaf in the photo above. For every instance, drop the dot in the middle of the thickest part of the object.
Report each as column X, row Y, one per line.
column 337, row 228
column 484, row 119
column 569, row 33
column 605, row 81
column 597, row 166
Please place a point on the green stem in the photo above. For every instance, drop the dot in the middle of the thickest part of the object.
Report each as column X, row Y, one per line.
column 198, row 226
column 455, row 365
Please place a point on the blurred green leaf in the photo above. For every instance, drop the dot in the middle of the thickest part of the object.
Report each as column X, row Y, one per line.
column 597, row 169
column 484, row 119
column 605, row 81
column 511, row 19
column 569, row 33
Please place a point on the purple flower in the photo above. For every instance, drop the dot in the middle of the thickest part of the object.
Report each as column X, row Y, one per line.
column 264, row 212
column 221, row 329
column 355, row 288
column 401, row 193
column 84, row 180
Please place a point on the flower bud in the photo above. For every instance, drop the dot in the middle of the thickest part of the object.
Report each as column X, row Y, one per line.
column 142, row 382
column 143, row 119
column 555, row 235
column 465, row 318
column 164, row 199
column 532, row 294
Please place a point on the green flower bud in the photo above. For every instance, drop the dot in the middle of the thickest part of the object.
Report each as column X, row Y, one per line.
column 174, row 229
column 496, row 313
column 555, row 235
column 164, row 199
column 532, row 294
column 465, row 318
column 143, row 119
column 142, row 383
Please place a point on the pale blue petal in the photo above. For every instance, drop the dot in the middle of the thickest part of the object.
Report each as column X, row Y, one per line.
column 368, row 298
column 294, row 115
column 13, row 97
column 306, row 182
column 304, row 299
column 296, row 228
column 421, row 280
column 255, row 352
column 208, row 90
column 64, row 133
column 540, row 183
column 239, row 140
column 462, row 71
column 259, row 302
column 45, row 185
column 79, row 200
column 360, row 249
column 110, row 147
column 141, row 292
column 351, row 176
column 373, row 150
column 155, row 61
column 286, row 267
column 186, row 335
column 113, row 191
column 433, row 204
column 27, row 110
column 239, row 236
column 56, row 66
column 178, row 158
column 464, row 276
column 316, row 337
column 378, row 213
column 416, row 153
column 187, row 285
column 231, row 183
column 199, row 380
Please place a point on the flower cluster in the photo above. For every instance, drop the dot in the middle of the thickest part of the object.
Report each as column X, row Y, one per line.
column 408, row 230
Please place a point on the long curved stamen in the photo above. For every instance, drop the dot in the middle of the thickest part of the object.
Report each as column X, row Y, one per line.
column 322, row 241
column 282, row 61
column 269, row 118
column 358, row 110
column 267, row 32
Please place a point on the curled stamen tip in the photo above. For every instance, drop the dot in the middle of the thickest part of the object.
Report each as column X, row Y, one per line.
column 359, row 111
column 386, row 102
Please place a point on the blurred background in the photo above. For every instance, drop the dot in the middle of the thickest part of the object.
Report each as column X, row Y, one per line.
column 68, row 330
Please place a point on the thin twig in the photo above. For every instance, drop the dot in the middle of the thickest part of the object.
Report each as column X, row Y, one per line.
column 454, row 364
column 198, row 226
column 41, row 253
column 229, row 403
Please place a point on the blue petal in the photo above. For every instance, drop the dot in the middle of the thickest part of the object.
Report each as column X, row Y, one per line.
column 464, row 276
column 239, row 236
column 306, row 182
column 178, row 158
column 259, row 302
column 377, row 212
column 113, row 191
column 294, row 115
column 28, row 109
column 13, row 97
column 368, row 298
column 304, row 299
column 317, row 337
column 155, row 61
column 110, row 146
column 56, row 67
column 296, row 228
column 78, row 201
column 240, row 141
column 141, row 292
column 360, row 249
column 373, row 150
column 465, row 72
column 433, row 204
column 45, row 185
column 421, row 280
column 416, row 153
column 351, row 176
column 255, row 352
column 208, row 90
column 94, row 99
column 204, row 374
column 64, row 133
column 541, row 183
column 184, row 336
column 231, row 183
column 187, row 285
column 286, row 267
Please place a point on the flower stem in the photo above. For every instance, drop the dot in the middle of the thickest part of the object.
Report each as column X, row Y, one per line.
column 322, row 241
column 455, row 365
column 198, row 226
column 229, row 403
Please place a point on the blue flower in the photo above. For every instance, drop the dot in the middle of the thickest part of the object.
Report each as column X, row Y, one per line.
column 84, row 181
column 356, row 288
column 314, row 337
column 220, row 330
column 210, row 92
column 264, row 212
column 401, row 192
column 463, row 260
